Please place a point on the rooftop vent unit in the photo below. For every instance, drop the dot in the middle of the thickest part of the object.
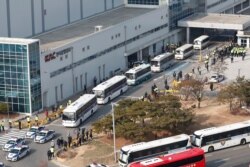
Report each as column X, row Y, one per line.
column 98, row 28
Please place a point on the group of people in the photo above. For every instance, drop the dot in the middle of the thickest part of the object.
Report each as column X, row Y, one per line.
column 81, row 137
column 177, row 76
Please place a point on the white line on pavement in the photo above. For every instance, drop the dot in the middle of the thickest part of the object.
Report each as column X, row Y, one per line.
column 222, row 160
column 209, row 155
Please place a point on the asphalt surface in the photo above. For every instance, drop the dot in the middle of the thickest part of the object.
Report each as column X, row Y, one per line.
column 224, row 158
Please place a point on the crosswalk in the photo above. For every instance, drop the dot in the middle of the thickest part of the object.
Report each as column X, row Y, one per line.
column 4, row 137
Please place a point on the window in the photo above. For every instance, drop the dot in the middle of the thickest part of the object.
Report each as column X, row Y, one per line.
column 112, row 37
column 135, row 27
column 139, row 26
column 61, row 87
column 88, row 47
column 66, row 56
column 61, row 58
column 56, row 94
column 83, row 49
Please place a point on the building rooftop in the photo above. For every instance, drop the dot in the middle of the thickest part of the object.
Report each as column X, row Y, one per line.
column 216, row 21
column 20, row 41
column 73, row 32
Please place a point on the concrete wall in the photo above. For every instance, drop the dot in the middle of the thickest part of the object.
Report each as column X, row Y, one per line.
column 3, row 19
column 31, row 17
column 221, row 7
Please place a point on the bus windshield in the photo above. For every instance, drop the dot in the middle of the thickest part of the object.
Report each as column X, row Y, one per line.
column 155, row 63
column 130, row 76
column 178, row 52
column 99, row 93
column 197, row 42
column 123, row 157
column 68, row 116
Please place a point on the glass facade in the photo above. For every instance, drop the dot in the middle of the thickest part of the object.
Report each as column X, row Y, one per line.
column 179, row 9
column 17, row 84
column 144, row 2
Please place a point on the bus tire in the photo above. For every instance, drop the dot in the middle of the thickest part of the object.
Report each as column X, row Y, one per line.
column 243, row 142
column 210, row 149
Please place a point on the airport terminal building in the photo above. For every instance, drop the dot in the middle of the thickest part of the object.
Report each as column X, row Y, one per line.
column 91, row 41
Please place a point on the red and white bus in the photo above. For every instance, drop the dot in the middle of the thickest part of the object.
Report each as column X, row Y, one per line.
column 193, row 157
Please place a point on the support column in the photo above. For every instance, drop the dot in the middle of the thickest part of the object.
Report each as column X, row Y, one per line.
column 139, row 55
column 248, row 42
column 188, row 35
column 239, row 41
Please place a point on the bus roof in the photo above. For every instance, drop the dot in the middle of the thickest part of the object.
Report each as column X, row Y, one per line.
column 162, row 56
column 184, row 47
column 138, row 68
column 79, row 103
column 109, row 82
column 154, row 143
column 215, row 130
column 201, row 38
column 168, row 158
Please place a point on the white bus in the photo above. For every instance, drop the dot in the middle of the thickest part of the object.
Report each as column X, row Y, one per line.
column 138, row 74
column 216, row 138
column 184, row 51
column 110, row 89
column 201, row 42
column 74, row 114
column 162, row 62
column 145, row 150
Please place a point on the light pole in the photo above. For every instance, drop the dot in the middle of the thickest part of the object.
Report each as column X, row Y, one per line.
column 113, row 119
column 7, row 102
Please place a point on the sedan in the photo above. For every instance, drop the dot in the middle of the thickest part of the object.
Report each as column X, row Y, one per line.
column 44, row 136
column 216, row 78
column 17, row 153
column 2, row 164
column 13, row 142
column 33, row 131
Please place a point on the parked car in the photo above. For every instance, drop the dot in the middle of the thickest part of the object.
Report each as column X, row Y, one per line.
column 44, row 136
column 216, row 78
column 13, row 142
column 33, row 131
column 96, row 165
column 2, row 164
column 18, row 152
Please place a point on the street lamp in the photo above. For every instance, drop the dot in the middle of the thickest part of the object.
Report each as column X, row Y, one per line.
column 113, row 119
column 7, row 102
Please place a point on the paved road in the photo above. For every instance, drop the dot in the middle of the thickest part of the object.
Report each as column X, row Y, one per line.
column 38, row 151
column 233, row 157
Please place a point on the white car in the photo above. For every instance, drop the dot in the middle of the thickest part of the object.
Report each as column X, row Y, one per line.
column 216, row 78
column 13, row 142
column 44, row 136
column 17, row 153
column 2, row 164
column 33, row 131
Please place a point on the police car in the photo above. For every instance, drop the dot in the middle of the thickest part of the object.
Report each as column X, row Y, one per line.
column 44, row 136
column 2, row 164
column 18, row 152
column 33, row 131
column 12, row 142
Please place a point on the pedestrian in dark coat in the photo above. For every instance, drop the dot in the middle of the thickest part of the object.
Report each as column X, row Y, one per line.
column 87, row 135
column 58, row 143
column 90, row 134
column 69, row 141
column 49, row 154
column 211, row 86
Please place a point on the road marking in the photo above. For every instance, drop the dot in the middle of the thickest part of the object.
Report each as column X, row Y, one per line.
column 222, row 160
column 12, row 133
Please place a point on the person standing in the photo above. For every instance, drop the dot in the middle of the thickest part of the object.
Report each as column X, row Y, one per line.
column 232, row 59
column 28, row 121
column 3, row 126
column 52, row 143
column 69, row 140
column 52, row 150
column 87, row 135
column 85, row 88
column 211, row 86
column 36, row 119
column 90, row 134
column 46, row 114
column 19, row 124
column 174, row 75
column 49, row 154
column 58, row 143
